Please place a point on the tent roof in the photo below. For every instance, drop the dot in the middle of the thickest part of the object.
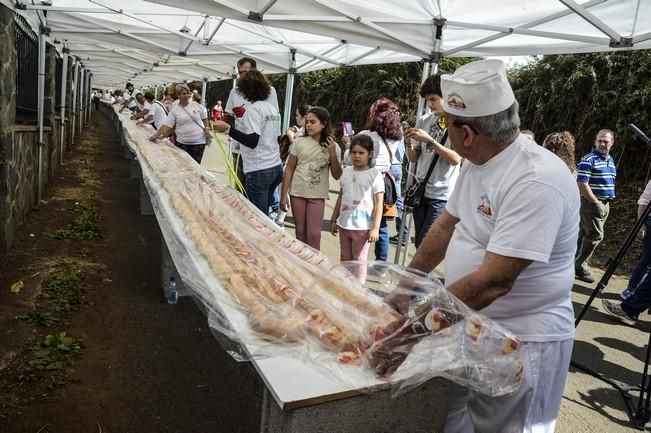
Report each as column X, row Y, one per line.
column 130, row 40
column 471, row 27
column 155, row 41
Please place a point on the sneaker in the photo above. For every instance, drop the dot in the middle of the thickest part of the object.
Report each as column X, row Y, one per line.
column 273, row 216
column 394, row 240
column 627, row 293
column 615, row 310
column 583, row 276
column 280, row 224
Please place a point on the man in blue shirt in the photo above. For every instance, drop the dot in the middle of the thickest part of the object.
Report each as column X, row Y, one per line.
column 596, row 180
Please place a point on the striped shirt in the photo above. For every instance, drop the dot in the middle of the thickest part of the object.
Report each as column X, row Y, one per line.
column 599, row 172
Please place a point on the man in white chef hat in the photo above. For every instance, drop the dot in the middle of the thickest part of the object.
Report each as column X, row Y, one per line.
column 508, row 237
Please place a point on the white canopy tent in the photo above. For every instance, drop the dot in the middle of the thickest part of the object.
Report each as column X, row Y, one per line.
column 432, row 29
column 154, row 41
column 470, row 27
column 121, row 40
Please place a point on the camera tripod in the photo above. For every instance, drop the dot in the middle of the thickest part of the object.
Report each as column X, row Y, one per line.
column 638, row 411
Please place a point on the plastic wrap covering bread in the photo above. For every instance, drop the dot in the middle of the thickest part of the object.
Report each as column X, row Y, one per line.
column 275, row 296
column 438, row 335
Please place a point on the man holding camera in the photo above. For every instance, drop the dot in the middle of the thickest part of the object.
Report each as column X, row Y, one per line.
column 429, row 147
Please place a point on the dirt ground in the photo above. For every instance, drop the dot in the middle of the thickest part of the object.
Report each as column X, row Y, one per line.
column 145, row 366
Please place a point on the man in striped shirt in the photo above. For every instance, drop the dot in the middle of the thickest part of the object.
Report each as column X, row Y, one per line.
column 596, row 180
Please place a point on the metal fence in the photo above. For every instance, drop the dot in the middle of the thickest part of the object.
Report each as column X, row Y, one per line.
column 26, row 72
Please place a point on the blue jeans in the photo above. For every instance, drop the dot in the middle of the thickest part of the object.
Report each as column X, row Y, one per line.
column 645, row 261
column 640, row 300
column 425, row 215
column 396, row 171
column 275, row 200
column 260, row 186
column 382, row 244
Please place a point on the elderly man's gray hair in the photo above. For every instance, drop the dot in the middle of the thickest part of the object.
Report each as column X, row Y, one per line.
column 500, row 127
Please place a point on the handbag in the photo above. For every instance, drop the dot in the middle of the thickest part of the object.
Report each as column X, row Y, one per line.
column 416, row 192
column 209, row 138
column 390, row 192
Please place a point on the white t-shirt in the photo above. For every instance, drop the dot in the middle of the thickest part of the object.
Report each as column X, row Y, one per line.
column 186, row 121
column 134, row 102
column 444, row 175
column 522, row 203
column 157, row 110
column 235, row 99
column 381, row 158
column 264, row 119
column 357, row 191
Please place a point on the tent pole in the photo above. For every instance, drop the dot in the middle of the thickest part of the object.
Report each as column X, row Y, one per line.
column 64, row 85
column 289, row 91
column 41, row 107
column 73, row 111
column 80, row 108
column 89, row 82
column 156, row 92
column 234, row 77
column 203, row 91
column 427, row 67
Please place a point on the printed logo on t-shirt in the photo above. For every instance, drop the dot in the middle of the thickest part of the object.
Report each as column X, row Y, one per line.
column 484, row 206
column 456, row 101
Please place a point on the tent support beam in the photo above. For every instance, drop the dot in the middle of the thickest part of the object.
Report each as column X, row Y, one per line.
column 127, row 34
column 298, row 50
column 351, row 16
column 187, row 47
column 64, row 88
column 361, row 56
column 592, row 19
column 214, row 32
column 289, row 91
column 528, row 25
column 73, row 112
column 328, row 51
column 41, row 108
column 132, row 16
column 258, row 16
column 203, row 91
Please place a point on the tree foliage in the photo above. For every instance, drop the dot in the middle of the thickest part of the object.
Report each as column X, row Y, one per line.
column 583, row 93
column 348, row 92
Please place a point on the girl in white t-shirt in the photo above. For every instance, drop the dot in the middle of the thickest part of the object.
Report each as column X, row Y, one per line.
column 358, row 211
column 311, row 160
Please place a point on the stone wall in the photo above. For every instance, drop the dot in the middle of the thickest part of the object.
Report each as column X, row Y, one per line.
column 19, row 143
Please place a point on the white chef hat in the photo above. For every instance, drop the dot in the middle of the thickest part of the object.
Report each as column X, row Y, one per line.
column 477, row 89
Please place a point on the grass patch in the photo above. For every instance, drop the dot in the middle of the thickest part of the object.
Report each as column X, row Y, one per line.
column 62, row 292
column 54, row 352
column 85, row 225
column 43, row 319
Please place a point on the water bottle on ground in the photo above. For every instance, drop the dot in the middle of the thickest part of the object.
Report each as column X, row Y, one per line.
column 172, row 293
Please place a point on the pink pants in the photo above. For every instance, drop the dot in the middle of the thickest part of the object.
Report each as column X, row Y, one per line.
column 354, row 245
column 308, row 219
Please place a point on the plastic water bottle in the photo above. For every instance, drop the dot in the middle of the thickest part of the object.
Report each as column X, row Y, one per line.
column 172, row 294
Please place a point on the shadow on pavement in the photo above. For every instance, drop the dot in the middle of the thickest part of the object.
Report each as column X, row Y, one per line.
column 600, row 399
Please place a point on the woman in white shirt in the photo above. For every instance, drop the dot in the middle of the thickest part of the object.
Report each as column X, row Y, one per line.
column 257, row 134
column 188, row 122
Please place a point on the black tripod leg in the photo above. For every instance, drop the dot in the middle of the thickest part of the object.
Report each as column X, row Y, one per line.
column 639, row 414
column 614, row 263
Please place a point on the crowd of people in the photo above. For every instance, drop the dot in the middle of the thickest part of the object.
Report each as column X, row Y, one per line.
column 508, row 216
